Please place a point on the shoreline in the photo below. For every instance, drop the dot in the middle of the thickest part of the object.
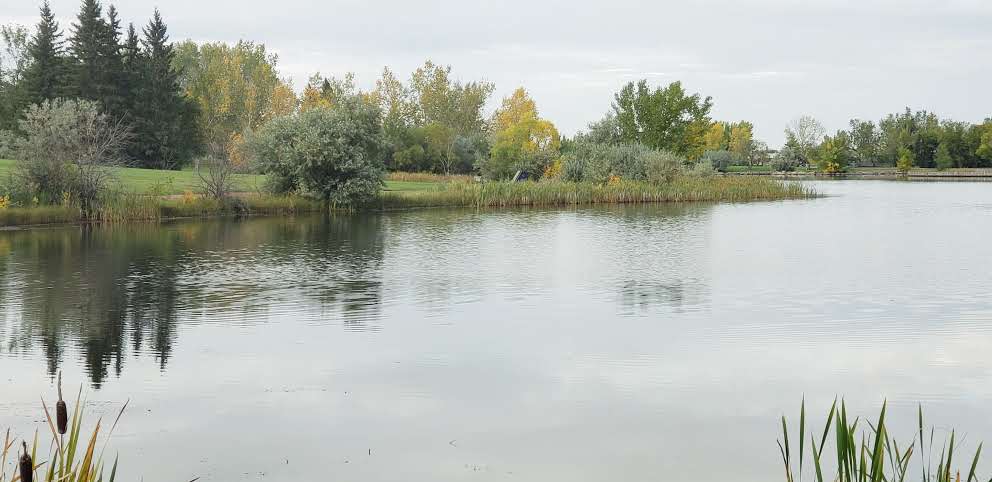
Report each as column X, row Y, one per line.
column 134, row 208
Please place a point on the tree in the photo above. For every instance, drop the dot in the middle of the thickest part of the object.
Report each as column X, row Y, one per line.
column 834, row 154
column 865, row 142
column 68, row 149
column 803, row 135
column 523, row 140
column 95, row 56
column 906, row 161
column 742, row 141
column 236, row 88
column 165, row 133
column 324, row 92
column 15, row 62
column 717, row 137
column 984, row 132
column 45, row 77
column 334, row 153
column 663, row 118
column 603, row 131
column 943, row 158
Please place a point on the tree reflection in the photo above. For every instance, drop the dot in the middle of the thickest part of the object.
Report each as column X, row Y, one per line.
column 109, row 292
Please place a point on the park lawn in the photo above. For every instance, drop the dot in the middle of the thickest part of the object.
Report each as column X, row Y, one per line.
column 165, row 183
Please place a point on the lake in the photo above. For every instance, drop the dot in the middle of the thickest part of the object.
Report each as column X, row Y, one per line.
column 651, row 342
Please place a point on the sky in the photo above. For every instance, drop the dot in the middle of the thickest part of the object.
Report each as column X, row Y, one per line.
column 766, row 61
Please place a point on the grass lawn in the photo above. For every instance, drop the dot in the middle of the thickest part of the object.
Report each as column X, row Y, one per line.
column 148, row 181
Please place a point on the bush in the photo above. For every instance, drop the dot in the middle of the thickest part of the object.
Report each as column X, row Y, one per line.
column 333, row 153
column 785, row 160
column 702, row 169
column 662, row 166
column 67, row 150
column 7, row 141
column 720, row 160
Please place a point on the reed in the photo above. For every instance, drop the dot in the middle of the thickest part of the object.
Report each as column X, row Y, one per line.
column 870, row 454
column 560, row 193
column 72, row 456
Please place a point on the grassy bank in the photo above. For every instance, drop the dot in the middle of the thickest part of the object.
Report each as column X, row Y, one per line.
column 555, row 193
column 133, row 207
column 171, row 183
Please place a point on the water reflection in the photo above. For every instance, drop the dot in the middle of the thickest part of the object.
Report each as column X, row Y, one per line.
column 106, row 293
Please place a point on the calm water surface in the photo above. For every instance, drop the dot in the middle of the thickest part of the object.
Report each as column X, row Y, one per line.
column 610, row 343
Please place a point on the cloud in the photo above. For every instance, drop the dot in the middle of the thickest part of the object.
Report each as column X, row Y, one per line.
column 762, row 60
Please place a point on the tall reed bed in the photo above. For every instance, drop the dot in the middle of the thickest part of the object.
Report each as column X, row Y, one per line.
column 560, row 193
column 123, row 207
column 72, row 454
column 869, row 453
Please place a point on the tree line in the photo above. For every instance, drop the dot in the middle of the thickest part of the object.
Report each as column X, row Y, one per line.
column 130, row 75
column 185, row 101
column 905, row 139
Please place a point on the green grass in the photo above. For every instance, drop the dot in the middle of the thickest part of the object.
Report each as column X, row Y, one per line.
column 166, row 183
column 758, row 168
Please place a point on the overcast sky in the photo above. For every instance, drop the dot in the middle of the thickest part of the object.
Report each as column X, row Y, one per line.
column 767, row 61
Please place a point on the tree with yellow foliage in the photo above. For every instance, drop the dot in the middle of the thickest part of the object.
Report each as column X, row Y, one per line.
column 522, row 140
column 742, row 140
column 236, row 87
column 716, row 137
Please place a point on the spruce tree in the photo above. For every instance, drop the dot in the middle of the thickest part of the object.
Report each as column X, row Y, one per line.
column 164, row 137
column 88, row 34
column 115, row 88
column 45, row 78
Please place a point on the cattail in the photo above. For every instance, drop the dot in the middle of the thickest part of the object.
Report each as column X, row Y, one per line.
column 61, row 414
column 26, row 465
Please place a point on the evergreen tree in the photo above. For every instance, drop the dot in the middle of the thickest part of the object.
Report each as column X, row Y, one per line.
column 96, row 54
column 45, row 78
column 165, row 135
column 87, row 35
column 115, row 94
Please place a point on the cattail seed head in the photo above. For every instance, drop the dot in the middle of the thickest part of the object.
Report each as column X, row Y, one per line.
column 61, row 413
column 26, row 465
column 61, row 416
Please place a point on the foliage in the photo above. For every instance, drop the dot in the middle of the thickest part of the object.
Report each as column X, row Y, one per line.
column 785, row 160
column 943, row 158
column 522, row 140
column 663, row 118
column 68, row 148
column 236, row 88
column 15, row 62
column 432, row 123
column 323, row 92
column 717, row 137
column 603, row 131
column 834, row 154
column 164, row 122
column 334, row 153
column 906, row 161
column 720, row 160
column 875, row 456
column 662, row 166
column 742, row 142
column 803, row 135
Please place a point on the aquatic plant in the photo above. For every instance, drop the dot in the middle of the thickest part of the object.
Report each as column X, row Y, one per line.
column 870, row 454
column 563, row 193
column 71, row 459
